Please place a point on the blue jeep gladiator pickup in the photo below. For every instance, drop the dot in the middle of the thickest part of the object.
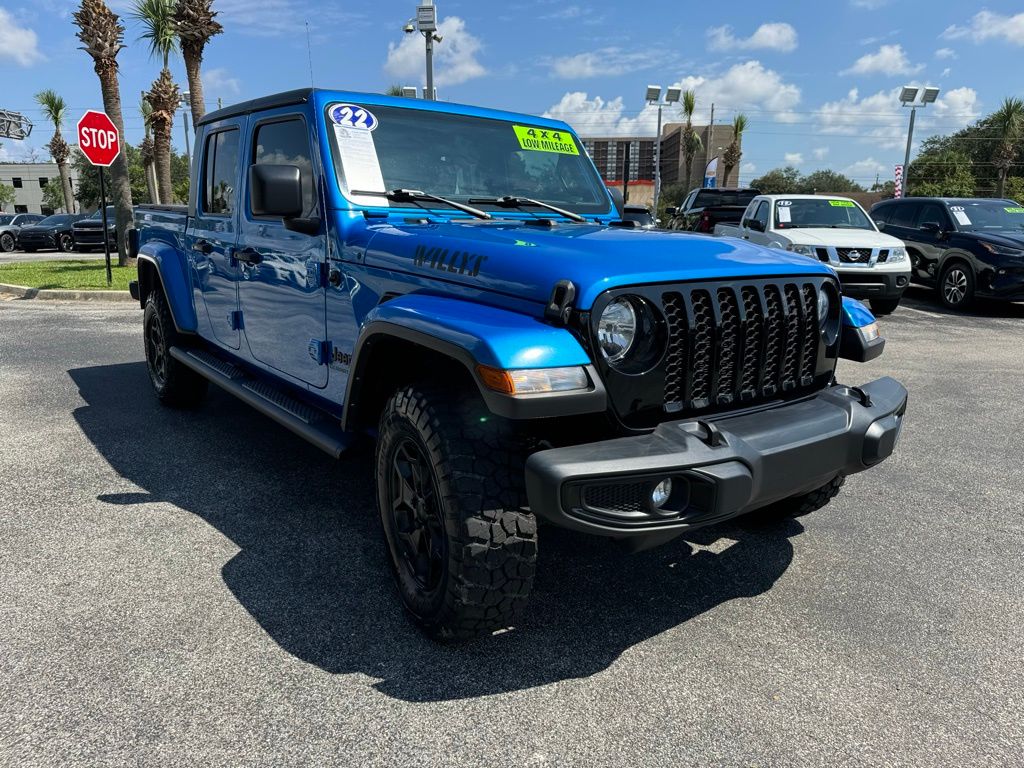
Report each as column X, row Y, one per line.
column 458, row 284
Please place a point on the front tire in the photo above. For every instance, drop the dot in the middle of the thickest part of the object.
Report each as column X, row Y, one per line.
column 804, row 504
column 65, row 243
column 450, row 492
column 7, row 243
column 884, row 306
column 175, row 384
column 956, row 286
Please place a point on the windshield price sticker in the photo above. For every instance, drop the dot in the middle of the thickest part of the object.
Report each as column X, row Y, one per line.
column 841, row 204
column 545, row 140
column 353, row 116
column 1014, row 210
column 960, row 216
column 784, row 215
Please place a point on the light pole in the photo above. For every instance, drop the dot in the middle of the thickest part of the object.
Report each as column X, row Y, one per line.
column 426, row 24
column 184, row 103
column 653, row 96
column 908, row 98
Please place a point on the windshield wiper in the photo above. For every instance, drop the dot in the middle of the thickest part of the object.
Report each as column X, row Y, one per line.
column 509, row 201
column 414, row 195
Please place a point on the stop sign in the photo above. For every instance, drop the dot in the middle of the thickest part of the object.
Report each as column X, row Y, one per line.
column 97, row 138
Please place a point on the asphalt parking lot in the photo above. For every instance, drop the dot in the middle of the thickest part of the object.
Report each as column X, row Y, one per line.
column 204, row 588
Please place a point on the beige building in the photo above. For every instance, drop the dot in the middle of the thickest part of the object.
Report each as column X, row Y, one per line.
column 28, row 180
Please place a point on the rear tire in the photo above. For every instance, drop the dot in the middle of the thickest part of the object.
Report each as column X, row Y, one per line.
column 804, row 504
column 451, row 497
column 175, row 384
column 65, row 243
column 956, row 286
column 7, row 243
column 884, row 306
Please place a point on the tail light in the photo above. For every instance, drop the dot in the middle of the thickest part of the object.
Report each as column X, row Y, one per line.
column 705, row 222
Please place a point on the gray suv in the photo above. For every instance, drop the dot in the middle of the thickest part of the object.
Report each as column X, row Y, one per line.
column 10, row 223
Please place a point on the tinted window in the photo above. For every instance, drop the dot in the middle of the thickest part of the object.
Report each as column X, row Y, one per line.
column 221, row 173
column 933, row 213
column 904, row 215
column 287, row 143
column 55, row 221
column 707, row 198
column 6, row 219
column 882, row 213
column 762, row 213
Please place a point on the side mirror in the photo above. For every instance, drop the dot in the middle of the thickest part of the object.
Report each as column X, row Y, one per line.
column 670, row 211
column 880, row 225
column 275, row 190
column 618, row 200
column 930, row 227
column 754, row 224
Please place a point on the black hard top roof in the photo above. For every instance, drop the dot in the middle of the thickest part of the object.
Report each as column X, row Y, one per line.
column 283, row 99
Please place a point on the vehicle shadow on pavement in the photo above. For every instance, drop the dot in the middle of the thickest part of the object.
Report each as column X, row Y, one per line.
column 311, row 567
column 919, row 297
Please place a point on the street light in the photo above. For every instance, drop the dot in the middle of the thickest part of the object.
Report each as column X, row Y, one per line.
column 425, row 23
column 653, row 96
column 908, row 98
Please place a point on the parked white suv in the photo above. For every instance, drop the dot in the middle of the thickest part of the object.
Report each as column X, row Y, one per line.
column 836, row 230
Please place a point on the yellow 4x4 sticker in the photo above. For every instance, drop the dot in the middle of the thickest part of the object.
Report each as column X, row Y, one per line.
column 841, row 204
column 1014, row 210
column 545, row 140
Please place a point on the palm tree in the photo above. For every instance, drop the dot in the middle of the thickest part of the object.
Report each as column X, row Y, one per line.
column 146, row 152
column 691, row 139
column 393, row 90
column 55, row 109
column 1008, row 121
column 733, row 153
column 157, row 20
column 195, row 24
column 102, row 37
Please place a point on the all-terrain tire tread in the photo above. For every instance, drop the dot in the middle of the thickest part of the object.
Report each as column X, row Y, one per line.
column 183, row 387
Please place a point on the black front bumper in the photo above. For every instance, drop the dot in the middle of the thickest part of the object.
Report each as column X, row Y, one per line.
column 720, row 467
column 866, row 284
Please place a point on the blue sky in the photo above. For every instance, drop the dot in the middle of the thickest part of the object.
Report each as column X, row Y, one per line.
column 817, row 80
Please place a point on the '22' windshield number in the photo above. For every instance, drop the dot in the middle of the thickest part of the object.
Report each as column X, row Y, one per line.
column 354, row 117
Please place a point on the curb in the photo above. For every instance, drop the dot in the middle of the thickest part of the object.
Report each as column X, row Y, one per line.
column 24, row 292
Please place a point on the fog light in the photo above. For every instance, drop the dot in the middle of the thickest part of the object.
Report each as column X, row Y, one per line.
column 662, row 493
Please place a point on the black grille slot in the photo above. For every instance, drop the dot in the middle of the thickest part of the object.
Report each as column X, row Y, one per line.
column 618, row 497
column 745, row 343
column 822, row 254
column 883, row 256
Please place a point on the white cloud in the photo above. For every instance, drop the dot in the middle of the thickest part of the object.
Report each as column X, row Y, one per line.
column 887, row 60
column 748, row 168
column 774, row 36
column 945, row 53
column 747, row 86
column 793, row 158
column 218, row 82
column 986, row 25
column 867, row 168
column 878, row 119
column 18, row 43
column 820, row 153
column 604, row 62
column 945, row 72
column 454, row 59
column 869, row 4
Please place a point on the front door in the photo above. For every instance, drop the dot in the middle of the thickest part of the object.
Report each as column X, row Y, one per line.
column 213, row 231
column 281, row 287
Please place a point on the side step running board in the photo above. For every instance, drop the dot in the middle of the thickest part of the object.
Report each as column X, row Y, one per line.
column 307, row 422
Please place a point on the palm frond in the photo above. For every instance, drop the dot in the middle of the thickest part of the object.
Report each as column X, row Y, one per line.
column 689, row 104
column 156, row 17
column 54, row 106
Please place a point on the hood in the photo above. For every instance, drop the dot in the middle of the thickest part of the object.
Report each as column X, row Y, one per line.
column 841, row 238
column 526, row 260
column 36, row 229
column 1008, row 239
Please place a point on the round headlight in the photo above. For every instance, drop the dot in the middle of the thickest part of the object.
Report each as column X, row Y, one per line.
column 824, row 307
column 828, row 314
column 616, row 330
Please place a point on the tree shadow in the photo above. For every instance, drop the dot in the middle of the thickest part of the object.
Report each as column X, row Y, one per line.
column 311, row 567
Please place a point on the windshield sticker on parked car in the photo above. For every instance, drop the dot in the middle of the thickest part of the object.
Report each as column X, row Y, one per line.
column 961, row 217
column 545, row 140
column 785, row 215
column 352, row 116
column 1014, row 210
column 360, row 165
column 842, row 203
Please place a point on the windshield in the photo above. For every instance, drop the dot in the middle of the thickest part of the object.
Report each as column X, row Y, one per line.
column 709, row 198
column 52, row 221
column 813, row 213
column 460, row 157
column 6, row 219
column 98, row 214
column 988, row 216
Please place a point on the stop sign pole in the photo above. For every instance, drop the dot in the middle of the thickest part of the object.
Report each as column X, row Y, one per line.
column 99, row 141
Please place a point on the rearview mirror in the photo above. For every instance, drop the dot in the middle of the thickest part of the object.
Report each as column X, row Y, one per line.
column 275, row 190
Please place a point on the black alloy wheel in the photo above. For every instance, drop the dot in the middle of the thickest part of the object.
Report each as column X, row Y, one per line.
column 416, row 518
column 956, row 288
column 156, row 350
column 7, row 242
column 65, row 242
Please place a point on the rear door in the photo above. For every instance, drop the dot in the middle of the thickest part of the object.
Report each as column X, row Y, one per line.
column 282, row 295
column 932, row 245
column 213, row 231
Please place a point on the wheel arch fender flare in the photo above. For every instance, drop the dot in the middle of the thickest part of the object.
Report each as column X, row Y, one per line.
column 161, row 265
column 472, row 334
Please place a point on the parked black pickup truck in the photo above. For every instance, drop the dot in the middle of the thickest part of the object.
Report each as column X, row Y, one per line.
column 703, row 208
column 88, row 232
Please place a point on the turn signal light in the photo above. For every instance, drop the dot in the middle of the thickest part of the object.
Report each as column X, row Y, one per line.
column 526, row 381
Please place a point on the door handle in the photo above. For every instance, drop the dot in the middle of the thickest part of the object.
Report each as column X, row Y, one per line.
column 203, row 247
column 249, row 256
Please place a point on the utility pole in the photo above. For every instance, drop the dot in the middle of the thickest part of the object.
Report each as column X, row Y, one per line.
column 426, row 24
column 908, row 98
column 184, row 122
column 672, row 96
column 707, row 144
